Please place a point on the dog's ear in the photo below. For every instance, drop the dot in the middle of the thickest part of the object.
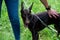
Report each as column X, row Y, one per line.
column 22, row 6
column 30, row 7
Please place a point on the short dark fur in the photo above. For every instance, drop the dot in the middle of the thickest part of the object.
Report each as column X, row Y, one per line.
column 35, row 25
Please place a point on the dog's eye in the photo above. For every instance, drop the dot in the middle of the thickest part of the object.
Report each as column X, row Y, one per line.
column 29, row 16
column 24, row 15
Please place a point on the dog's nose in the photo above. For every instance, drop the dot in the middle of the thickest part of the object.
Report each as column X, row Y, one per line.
column 27, row 22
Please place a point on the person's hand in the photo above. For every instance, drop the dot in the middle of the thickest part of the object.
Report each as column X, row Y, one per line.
column 52, row 13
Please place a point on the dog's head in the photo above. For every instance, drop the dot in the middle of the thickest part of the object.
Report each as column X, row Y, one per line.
column 26, row 14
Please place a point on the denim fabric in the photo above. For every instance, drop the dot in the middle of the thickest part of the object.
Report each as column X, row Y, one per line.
column 12, row 7
column 0, row 7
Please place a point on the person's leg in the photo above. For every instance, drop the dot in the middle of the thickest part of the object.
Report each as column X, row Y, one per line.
column 12, row 6
column 0, row 7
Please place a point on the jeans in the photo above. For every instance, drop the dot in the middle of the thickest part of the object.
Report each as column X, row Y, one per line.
column 12, row 7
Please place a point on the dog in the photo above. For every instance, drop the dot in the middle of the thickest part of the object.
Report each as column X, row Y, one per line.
column 34, row 24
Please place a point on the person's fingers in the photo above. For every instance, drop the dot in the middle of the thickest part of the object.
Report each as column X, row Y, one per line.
column 54, row 16
column 50, row 16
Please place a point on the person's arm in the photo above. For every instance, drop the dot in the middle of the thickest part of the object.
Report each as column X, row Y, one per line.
column 50, row 11
column 44, row 2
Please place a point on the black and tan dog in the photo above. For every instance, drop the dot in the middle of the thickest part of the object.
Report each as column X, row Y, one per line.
column 34, row 24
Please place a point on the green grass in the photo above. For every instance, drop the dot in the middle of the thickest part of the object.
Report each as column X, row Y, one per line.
column 6, row 32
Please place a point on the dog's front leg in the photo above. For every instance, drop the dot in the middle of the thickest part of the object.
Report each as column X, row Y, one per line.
column 34, row 35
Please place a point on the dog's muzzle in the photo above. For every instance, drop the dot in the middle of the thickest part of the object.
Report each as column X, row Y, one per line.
column 27, row 23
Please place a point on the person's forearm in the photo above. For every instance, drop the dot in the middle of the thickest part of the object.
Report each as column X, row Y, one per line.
column 45, row 3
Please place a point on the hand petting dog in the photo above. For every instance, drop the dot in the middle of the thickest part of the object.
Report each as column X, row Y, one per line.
column 52, row 13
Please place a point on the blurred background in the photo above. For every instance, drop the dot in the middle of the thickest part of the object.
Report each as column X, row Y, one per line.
column 6, row 32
